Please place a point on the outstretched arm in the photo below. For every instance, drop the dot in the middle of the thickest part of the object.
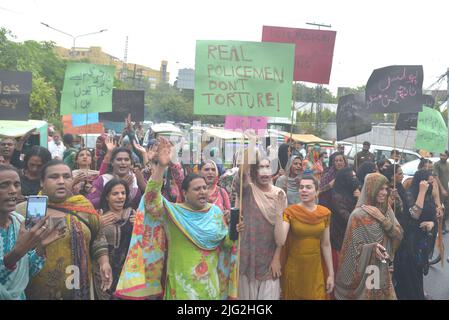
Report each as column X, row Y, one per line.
column 153, row 196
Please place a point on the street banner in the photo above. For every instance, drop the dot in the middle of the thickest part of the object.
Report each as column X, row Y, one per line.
column 432, row 131
column 125, row 102
column 243, row 78
column 395, row 89
column 87, row 88
column 313, row 52
column 15, row 90
column 352, row 118
column 80, row 119
column 244, row 123
column 409, row 121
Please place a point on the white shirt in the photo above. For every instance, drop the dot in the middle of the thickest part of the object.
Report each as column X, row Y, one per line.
column 56, row 150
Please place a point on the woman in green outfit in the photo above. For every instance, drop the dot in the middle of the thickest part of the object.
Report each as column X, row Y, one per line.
column 188, row 240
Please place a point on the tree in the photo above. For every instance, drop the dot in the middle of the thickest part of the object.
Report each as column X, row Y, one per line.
column 301, row 92
column 167, row 103
column 47, row 70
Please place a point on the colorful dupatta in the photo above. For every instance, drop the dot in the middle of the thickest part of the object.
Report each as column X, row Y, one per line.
column 78, row 205
column 17, row 281
column 143, row 275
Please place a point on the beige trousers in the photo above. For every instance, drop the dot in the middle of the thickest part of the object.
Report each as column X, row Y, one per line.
column 259, row 290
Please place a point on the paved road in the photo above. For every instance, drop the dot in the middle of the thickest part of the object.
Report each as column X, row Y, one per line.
column 436, row 283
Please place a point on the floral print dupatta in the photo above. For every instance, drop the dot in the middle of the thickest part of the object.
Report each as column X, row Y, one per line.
column 143, row 275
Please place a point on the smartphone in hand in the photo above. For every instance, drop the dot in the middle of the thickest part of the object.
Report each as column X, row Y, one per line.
column 36, row 210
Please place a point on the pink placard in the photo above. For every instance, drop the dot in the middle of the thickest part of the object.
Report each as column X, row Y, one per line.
column 313, row 53
column 243, row 123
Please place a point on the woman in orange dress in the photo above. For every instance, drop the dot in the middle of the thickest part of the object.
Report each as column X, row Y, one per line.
column 304, row 232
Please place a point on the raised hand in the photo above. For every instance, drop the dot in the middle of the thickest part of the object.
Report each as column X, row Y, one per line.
column 139, row 148
column 423, row 186
column 110, row 143
column 128, row 122
column 152, row 150
column 164, row 151
column 129, row 179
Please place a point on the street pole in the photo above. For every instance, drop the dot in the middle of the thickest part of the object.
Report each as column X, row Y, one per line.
column 72, row 52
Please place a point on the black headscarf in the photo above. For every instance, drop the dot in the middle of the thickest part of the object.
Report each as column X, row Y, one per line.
column 283, row 154
column 429, row 208
column 364, row 169
column 345, row 182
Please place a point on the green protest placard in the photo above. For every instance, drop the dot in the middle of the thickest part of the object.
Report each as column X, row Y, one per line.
column 243, row 78
column 432, row 131
column 87, row 88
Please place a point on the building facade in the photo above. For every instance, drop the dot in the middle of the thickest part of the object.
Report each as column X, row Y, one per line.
column 124, row 72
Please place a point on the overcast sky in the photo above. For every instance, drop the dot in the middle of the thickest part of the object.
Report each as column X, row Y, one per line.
column 370, row 34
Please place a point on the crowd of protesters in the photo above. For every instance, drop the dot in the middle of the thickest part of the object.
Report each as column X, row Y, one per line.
column 126, row 221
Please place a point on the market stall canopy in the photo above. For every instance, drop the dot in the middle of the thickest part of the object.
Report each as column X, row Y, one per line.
column 223, row 133
column 310, row 138
column 20, row 128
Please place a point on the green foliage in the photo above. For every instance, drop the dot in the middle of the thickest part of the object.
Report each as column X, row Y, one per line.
column 301, row 92
column 47, row 69
column 166, row 103
column 308, row 121
column 43, row 101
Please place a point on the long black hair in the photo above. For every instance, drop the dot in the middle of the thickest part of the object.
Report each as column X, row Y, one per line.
column 381, row 163
column 37, row 151
column 114, row 155
column 334, row 155
column 365, row 168
column 423, row 162
column 389, row 174
column 107, row 190
column 345, row 182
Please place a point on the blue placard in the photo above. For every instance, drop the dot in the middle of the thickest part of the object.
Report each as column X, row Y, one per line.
column 79, row 120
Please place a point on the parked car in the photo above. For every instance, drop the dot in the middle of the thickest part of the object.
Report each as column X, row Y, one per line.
column 382, row 152
column 411, row 167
